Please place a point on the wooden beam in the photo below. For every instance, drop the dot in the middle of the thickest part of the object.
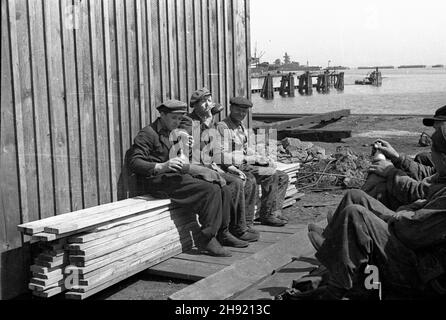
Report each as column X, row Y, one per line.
column 315, row 135
column 243, row 274
column 294, row 123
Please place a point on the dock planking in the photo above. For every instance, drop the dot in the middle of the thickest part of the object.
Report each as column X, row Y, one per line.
column 193, row 266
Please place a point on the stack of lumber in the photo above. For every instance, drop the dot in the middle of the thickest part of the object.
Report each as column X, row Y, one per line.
column 89, row 250
column 292, row 194
column 48, row 270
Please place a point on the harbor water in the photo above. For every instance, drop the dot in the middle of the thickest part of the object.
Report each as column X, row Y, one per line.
column 403, row 91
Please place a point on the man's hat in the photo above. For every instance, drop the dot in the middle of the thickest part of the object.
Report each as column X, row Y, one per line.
column 439, row 139
column 173, row 106
column 198, row 95
column 241, row 102
column 440, row 115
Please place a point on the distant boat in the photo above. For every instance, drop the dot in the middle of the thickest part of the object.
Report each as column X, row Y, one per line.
column 438, row 66
column 412, row 66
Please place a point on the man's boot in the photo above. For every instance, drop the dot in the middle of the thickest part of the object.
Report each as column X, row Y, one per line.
column 227, row 239
column 272, row 221
column 214, row 248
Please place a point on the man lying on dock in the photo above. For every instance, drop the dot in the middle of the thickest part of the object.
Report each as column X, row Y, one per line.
column 164, row 173
column 237, row 154
column 407, row 246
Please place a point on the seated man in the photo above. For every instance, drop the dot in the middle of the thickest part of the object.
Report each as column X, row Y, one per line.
column 407, row 246
column 274, row 183
column 421, row 167
column 163, row 174
column 243, row 186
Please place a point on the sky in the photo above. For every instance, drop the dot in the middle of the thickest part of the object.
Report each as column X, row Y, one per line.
column 350, row 32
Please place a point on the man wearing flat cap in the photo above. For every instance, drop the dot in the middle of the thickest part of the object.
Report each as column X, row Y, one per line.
column 243, row 186
column 164, row 173
column 274, row 183
column 407, row 246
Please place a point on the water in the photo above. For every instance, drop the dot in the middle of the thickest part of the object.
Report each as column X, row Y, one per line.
column 404, row 91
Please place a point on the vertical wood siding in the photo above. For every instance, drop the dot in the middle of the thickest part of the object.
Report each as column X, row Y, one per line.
column 79, row 79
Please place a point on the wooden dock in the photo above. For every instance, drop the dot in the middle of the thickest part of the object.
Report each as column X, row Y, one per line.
column 273, row 261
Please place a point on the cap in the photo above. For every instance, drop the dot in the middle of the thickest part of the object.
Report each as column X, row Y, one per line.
column 241, row 102
column 440, row 115
column 439, row 140
column 173, row 106
column 198, row 95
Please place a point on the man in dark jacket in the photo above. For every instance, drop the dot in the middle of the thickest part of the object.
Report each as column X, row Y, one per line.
column 243, row 186
column 162, row 172
column 407, row 246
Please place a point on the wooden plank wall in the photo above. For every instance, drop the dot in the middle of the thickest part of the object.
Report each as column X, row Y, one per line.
column 79, row 78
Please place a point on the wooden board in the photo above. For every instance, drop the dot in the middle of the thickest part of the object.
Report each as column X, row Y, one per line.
column 294, row 123
column 236, row 278
column 278, row 282
column 315, row 135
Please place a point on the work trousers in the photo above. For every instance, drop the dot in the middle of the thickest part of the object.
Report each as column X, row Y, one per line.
column 274, row 184
column 357, row 236
column 201, row 197
column 244, row 195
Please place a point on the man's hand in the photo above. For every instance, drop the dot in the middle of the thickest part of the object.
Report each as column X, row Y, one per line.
column 173, row 165
column 386, row 149
column 237, row 172
column 381, row 168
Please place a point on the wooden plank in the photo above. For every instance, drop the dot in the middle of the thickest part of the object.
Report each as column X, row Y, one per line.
column 27, row 104
column 205, row 52
column 9, row 188
column 184, row 269
column 123, row 120
column 40, row 112
column 198, row 26
column 180, row 31
column 38, row 226
column 85, row 87
column 172, row 49
column 141, row 80
column 315, row 135
column 294, row 123
column 164, row 51
column 213, row 57
column 132, row 69
column 229, row 53
column 68, row 21
column 118, row 226
column 158, row 76
column 221, row 94
column 190, row 50
column 122, row 265
column 149, row 62
column 194, row 255
column 18, row 115
column 50, row 292
column 240, row 68
column 91, row 271
column 248, row 54
column 288, row 228
column 40, row 288
column 109, row 98
column 238, row 277
column 57, row 106
column 278, row 282
column 125, row 239
column 69, row 226
column 100, row 103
